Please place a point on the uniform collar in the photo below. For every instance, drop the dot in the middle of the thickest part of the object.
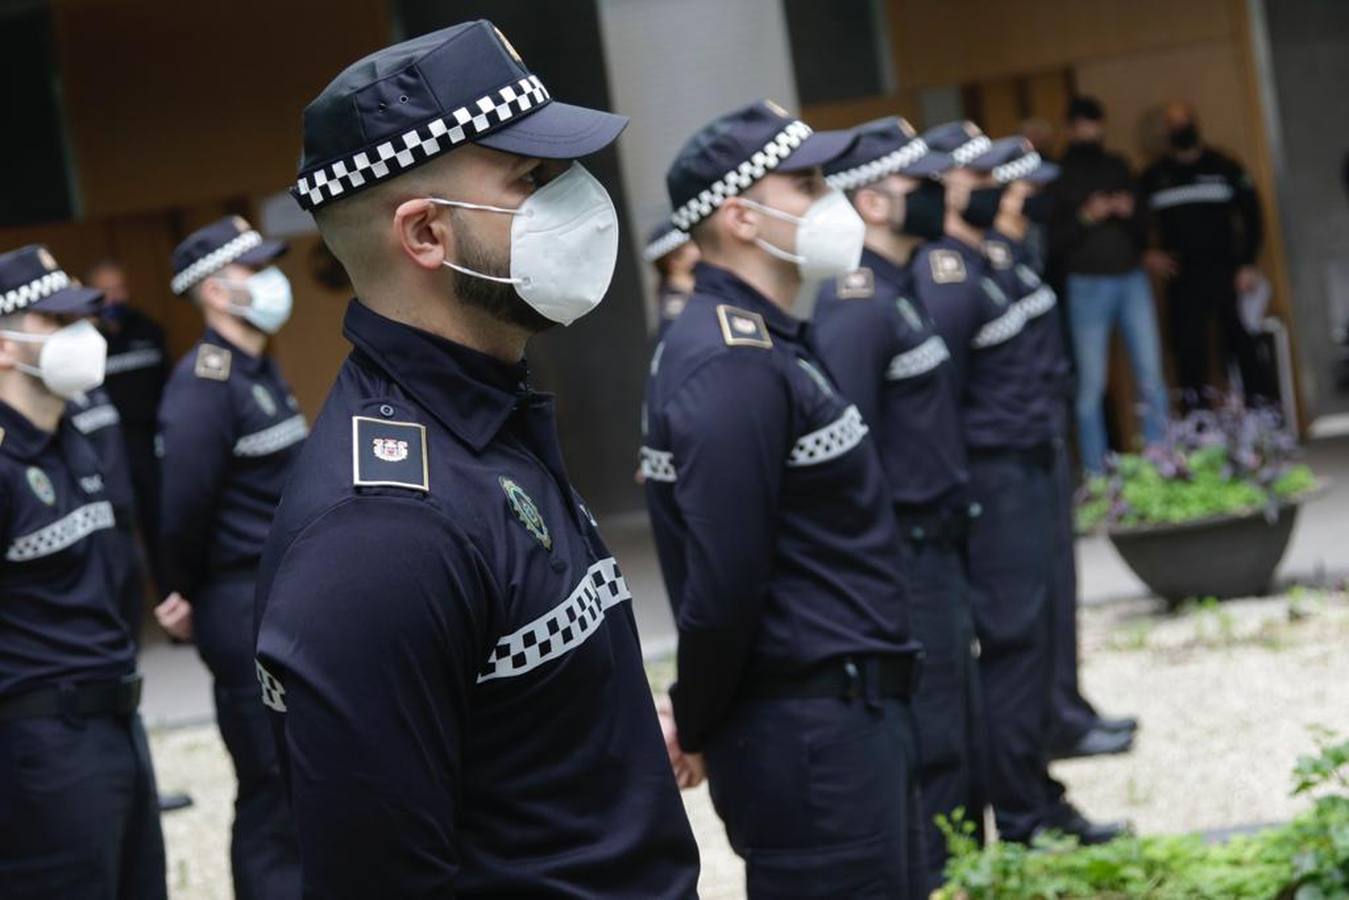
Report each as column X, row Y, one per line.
column 22, row 438
column 883, row 269
column 952, row 243
column 724, row 284
column 241, row 359
column 470, row 393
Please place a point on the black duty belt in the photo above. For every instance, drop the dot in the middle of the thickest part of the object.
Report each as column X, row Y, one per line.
column 1041, row 455
column 89, row 699
column 848, row 678
column 936, row 524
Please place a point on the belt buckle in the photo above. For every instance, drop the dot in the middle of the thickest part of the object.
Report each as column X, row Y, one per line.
column 854, row 675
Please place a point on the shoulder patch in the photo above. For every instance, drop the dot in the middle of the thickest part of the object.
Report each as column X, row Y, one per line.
column 388, row 454
column 999, row 254
column 948, row 267
column 857, row 284
column 742, row 328
column 212, row 362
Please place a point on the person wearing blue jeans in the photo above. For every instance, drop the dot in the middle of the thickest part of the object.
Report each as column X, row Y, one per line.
column 1097, row 304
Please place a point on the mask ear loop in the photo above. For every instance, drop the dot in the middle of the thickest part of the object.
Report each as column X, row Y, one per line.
column 462, row 204
column 24, row 337
column 773, row 249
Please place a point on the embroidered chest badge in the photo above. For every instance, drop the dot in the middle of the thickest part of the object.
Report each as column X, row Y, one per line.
column 527, row 512
column 41, row 485
column 264, row 400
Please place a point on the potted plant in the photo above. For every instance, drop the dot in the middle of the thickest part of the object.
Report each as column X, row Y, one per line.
column 1209, row 512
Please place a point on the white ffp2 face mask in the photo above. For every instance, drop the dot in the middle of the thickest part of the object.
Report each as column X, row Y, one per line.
column 72, row 359
column 829, row 237
column 564, row 245
column 271, row 302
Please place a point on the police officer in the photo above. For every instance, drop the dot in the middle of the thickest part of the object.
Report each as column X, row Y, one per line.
column 1076, row 728
column 230, row 431
column 1208, row 231
column 880, row 343
column 673, row 256
column 775, row 532
column 446, row 642
column 78, row 816
column 1011, row 540
column 138, row 365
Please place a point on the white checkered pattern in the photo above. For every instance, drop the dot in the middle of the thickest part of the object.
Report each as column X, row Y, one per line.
column 27, row 294
column 561, row 630
column 920, row 360
column 829, row 442
column 742, row 176
column 64, row 532
column 1192, row 193
column 273, row 691
column 395, row 156
column 1000, row 330
column 214, row 261
column 976, row 146
column 270, row 440
column 96, row 417
column 657, row 465
column 133, row 360
column 871, row 172
column 1037, row 302
column 666, row 243
column 1017, row 168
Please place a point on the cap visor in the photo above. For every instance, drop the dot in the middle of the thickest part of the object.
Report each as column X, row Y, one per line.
column 1044, row 173
column 262, row 254
column 558, row 131
column 71, row 301
column 819, row 148
column 928, row 164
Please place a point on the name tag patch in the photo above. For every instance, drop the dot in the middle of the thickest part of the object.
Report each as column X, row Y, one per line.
column 385, row 453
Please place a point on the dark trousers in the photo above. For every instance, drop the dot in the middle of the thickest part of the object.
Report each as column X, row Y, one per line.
column 948, row 706
column 79, row 818
column 1071, row 714
column 1011, row 569
column 144, row 465
column 1200, row 297
column 264, row 855
column 819, row 797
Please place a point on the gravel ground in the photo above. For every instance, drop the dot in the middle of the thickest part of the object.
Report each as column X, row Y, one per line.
column 1228, row 695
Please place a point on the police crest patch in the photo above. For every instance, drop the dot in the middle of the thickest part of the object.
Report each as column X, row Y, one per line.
column 999, row 254
column 212, row 362
column 391, row 449
column 388, row 454
column 41, row 485
column 527, row 512
column 264, row 400
column 947, row 266
column 857, row 284
column 742, row 328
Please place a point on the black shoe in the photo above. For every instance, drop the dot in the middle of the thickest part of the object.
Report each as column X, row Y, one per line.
column 1068, row 821
column 1123, row 723
column 171, row 802
column 1095, row 742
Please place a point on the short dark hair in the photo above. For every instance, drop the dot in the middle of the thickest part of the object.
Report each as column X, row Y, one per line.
column 1083, row 107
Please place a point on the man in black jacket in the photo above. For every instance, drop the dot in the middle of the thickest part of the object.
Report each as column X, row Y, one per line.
column 1096, row 238
column 1208, row 229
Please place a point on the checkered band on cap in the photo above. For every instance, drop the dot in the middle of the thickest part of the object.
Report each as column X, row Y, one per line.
column 666, row 243
column 742, row 176
column 870, row 172
column 39, row 288
column 396, row 155
column 214, row 261
column 1017, row 168
column 975, row 146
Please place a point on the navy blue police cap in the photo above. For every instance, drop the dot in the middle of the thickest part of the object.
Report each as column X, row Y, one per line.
column 962, row 141
column 208, row 250
column 885, row 146
column 31, row 279
column 1014, row 159
column 733, row 151
column 662, row 240
column 404, row 105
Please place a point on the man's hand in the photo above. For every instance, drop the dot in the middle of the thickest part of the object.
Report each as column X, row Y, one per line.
column 1247, row 278
column 688, row 767
column 174, row 615
column 1122, row 204
column 1098, row 206
column 1161, row 264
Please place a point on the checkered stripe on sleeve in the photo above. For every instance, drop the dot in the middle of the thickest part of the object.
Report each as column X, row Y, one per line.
column 395, row 156
column 742, row 176
column 273, row 439
column 976, row 146
column 829, row 442
column 1037, row 302
column 918, row 361
column 871, row 172
column 562, row 629
column 96, row 417
column 1000, row 330
column 273, row 691
column 27, row 294
column 216, row 260
column 657, row 465
column 1017, row 168
column 64, row 532
column 1214, row 192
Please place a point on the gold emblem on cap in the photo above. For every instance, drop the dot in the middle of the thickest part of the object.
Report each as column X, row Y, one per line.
column 48, row 261
column 239, row 224
column 510, row 48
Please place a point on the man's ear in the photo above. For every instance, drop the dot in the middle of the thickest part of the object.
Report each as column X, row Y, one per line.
column 423, row 233
column 736, row 221
column 213, row 294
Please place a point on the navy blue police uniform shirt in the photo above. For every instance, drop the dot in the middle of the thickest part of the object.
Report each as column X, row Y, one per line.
column 885, row 354
column 768, row 500
column 449, row 649
column 1013, row 265
column 64, row 569
column 229, row 432
column 981, row 326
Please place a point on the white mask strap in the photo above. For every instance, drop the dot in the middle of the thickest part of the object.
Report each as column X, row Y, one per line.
column 770, row 211
column 462, row 204
column 24, row 337
column 499, row 279
column 773, row 250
